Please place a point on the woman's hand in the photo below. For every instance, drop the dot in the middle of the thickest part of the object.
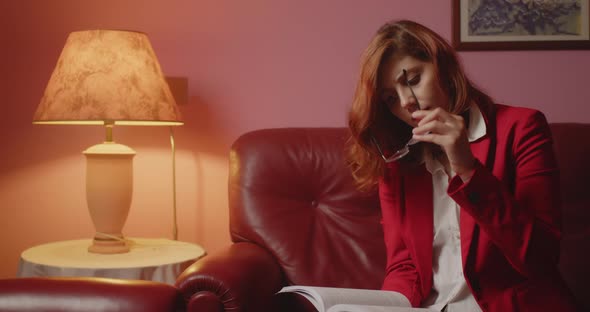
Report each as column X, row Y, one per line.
column 449, row 132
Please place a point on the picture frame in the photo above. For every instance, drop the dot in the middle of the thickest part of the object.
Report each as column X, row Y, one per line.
column 520, row 25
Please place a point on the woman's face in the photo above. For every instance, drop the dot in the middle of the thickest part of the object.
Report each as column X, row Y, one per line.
column 396, row 94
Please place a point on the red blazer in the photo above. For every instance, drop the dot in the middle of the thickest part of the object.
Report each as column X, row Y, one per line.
column 510, row 219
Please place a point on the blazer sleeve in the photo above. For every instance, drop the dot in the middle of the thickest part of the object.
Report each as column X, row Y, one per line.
column 400, row 273
column 521, row 214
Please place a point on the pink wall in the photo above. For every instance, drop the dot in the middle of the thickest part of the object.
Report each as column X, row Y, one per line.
column 250, row 64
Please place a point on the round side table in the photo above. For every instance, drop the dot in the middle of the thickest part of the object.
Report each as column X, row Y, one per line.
column 160, row 260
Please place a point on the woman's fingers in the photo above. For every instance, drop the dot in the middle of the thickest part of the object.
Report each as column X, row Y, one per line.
column 439, row 133
column 425, row 116
column 438, row 121
column 441, row 128
column 449, row 132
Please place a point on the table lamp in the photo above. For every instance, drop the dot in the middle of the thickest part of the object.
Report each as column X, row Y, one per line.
column 108, row 78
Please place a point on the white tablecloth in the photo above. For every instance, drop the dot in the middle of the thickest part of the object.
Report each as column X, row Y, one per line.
column 159, row 260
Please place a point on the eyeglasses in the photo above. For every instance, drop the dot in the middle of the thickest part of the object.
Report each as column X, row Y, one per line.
column 397, row 155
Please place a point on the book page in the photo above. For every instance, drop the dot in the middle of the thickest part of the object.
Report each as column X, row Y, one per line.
column 372, row 308
column 325, row 297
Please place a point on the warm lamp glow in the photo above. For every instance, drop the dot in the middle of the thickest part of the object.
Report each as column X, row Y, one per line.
column 108, row 77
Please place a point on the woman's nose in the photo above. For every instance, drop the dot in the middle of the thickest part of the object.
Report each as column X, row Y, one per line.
column 408, row 101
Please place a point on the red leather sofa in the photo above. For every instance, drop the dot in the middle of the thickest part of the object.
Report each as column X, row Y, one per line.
column 296, row 218
column 87, row 294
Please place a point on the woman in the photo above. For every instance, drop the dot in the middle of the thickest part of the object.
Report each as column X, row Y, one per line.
column 471, row 215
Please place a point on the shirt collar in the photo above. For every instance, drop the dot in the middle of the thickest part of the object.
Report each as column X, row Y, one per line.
column 477, row 126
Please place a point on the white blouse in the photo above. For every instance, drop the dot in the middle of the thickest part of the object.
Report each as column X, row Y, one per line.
column 449, row 286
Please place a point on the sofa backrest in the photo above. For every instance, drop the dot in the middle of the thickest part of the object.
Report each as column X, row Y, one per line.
column 572, row 148
column 291, row 192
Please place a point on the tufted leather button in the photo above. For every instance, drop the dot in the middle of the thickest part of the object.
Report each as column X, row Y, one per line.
column 474, row 197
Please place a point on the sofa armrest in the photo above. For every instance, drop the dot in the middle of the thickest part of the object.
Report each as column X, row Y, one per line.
column 241, row 277
column 87, row 294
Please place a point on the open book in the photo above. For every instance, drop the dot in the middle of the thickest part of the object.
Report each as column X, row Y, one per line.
column 329, row 299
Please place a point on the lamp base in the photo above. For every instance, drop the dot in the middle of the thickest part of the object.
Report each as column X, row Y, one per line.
column 109, row 187
column 108, row 246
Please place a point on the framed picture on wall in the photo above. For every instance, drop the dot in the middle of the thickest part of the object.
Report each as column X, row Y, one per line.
column 520, row 24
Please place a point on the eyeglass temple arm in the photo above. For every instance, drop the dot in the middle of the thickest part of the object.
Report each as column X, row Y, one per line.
column 410, row 87
column 378, row 147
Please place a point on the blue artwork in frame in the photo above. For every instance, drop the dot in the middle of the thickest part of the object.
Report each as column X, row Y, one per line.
column 520, row 24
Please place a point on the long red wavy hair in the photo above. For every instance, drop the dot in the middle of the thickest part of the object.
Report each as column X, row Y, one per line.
column 369, row 117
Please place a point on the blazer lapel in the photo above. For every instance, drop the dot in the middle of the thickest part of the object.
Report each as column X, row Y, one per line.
column 480, row 150
column 419, row 222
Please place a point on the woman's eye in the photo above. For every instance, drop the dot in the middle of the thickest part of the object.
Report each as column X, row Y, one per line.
column 414, row 80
